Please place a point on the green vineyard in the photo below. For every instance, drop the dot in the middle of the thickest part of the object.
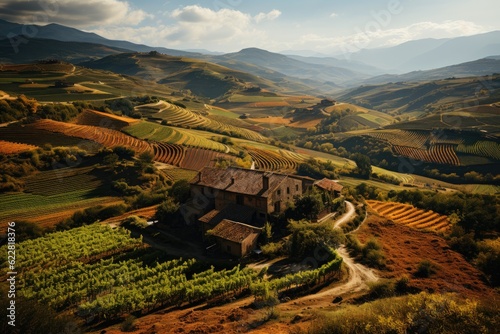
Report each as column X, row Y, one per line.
column 84, row 270
column 268, row 160
column 182, row 117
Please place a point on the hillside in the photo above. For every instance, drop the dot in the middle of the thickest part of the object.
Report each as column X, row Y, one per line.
column 480, row 67
column 34, row 49
column 430, row 53
column 292, row 67
column 426, row 96
column 63, row 33
column 201, row 78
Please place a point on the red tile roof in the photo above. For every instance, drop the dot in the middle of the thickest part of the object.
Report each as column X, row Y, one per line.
column 239, row 180
column 328, row 185
column 234, row 231
column 235, row 212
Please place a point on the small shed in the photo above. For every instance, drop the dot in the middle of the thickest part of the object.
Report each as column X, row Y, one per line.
column 236, row 238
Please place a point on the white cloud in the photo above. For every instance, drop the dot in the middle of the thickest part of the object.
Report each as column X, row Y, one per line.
column 73, row 13
column 334, row 15
column 368, row 37
column 272, row 15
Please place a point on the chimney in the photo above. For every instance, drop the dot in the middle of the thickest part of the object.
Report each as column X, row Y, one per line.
column 265, row 182
column 232, row 181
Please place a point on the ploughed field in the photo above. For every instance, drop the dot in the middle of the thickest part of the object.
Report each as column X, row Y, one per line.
column 406, row 214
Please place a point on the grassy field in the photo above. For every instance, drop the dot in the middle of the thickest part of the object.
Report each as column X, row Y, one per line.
column 35, row 208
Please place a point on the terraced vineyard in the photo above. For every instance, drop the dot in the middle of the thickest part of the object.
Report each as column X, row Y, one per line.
column 32, row 135
column 441, row 154
column 104, row 120
column 415, row 139
column 411, row 216
column 7, row 147
column 171, row 154
column 197, row 158
column 183, row 117
column 103, row 136
column 73, row 179
column 167, row 134
column 484, row 148
column 268, row 160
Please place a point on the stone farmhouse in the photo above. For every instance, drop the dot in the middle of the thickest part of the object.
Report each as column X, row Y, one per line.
column 242, row 200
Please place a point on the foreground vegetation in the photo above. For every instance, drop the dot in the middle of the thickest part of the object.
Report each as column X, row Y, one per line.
column 421, row 313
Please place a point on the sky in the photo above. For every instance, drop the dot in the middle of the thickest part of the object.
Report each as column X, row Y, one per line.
column 322, row 27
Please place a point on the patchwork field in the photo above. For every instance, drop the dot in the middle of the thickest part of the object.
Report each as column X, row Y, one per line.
column 178, row 116
column 411, row 216
column 7, row 147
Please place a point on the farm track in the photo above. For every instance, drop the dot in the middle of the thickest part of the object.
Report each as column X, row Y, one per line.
column 410, row 216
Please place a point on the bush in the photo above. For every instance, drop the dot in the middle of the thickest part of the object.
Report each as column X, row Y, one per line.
column 273, row 249
column 425, row 269
column 422, row 313
column 382, row 288
column 135, row 221
column 128, row 325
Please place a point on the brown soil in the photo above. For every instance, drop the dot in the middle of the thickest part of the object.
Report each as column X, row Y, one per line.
column 405, row 248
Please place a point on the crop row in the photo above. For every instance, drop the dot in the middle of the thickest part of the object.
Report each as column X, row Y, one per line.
column 183, row 117
column 441, row 154
column 74, row 179
column 197, row 158
column 268, row 160
column 104, row 120
column 7, row 147
column 106, row 137
column 171, row 154
column 414, row 139
column 411, row 216
column 484, row 148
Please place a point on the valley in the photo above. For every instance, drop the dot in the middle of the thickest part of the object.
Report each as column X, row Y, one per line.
column 154, row 190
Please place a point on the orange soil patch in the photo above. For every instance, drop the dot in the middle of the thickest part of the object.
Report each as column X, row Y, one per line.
column 405, row 248
column 268, row 104
column 307, row 123
column 408, row 215
column 8, row 147
column 105, row 120
column 272, row 120
column 146, row 213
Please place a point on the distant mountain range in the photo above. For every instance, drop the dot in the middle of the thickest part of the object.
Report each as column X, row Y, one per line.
column 428, row 54
column 425, row 59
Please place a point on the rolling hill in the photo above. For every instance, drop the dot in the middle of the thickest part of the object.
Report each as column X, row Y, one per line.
column 430, row 53
column 293, row 67
column 27, row 50
column 67, row 34
column 426, row 96
column 201, row 78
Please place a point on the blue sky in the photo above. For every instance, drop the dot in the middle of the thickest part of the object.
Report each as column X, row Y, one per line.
column 322, row 26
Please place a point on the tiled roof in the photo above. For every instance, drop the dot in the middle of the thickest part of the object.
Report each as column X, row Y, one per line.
column 234, row 231
column 329, row 185
column 239, row 180
column 233, row 212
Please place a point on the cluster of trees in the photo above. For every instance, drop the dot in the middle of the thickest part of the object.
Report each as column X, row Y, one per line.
column 317, row 169
column 23, row 107
column 13, row 167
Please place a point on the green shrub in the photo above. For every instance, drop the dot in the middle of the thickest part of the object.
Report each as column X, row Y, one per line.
column 425, row 269
column 422, row 313
column 128, row 325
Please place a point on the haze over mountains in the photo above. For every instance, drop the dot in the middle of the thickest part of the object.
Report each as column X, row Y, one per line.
column 415, row 60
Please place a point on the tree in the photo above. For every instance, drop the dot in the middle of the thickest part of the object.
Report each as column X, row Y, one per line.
column 124, row 152
column 308, row 206
column 267, row 231
column 180, row 191
column 167, row 211
column 364, row 166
